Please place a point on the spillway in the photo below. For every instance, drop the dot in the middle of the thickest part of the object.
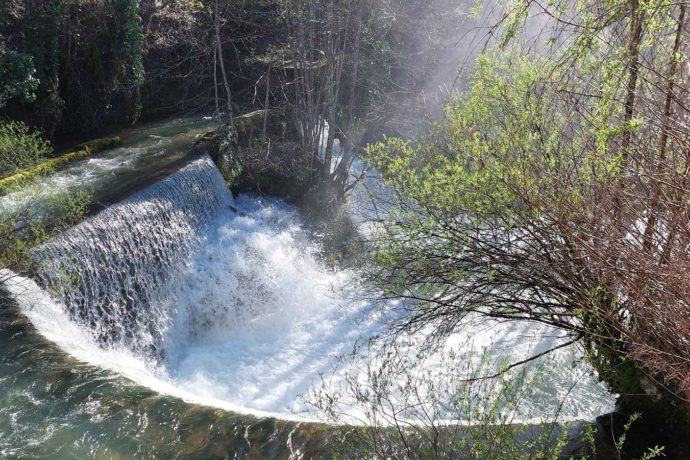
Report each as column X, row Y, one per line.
column 226, row 302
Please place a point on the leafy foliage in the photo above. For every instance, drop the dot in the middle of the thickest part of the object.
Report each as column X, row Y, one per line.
column 20, row 147
column 408, row 413
column 17, row 77
column 554, row 191
column 21, row 231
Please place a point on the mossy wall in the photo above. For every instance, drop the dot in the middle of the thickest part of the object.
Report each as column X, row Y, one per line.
column 260, row 152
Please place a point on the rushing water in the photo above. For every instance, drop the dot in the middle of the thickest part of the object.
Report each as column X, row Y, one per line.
column 111, row 270
column 175, row 321
column 143, row 150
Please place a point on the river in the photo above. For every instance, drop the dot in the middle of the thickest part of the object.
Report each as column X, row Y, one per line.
column 201, row 324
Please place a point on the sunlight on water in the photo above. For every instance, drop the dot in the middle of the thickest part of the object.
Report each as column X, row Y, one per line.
column 233, row 308
column 144, row 150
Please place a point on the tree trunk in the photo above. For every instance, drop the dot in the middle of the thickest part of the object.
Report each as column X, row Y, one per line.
column 663, row 142
column 219, row 46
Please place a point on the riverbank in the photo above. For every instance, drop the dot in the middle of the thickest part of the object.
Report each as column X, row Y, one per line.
column 56, row 162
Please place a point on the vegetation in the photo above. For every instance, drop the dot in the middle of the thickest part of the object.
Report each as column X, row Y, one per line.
column 405, row 411
column 42, row 168
column 555, row 191
column 24, row 230
column 19, row 147
column 73, row 69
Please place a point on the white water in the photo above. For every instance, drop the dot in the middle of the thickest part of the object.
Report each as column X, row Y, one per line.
column 238, row 311
column 144, row 150
column 113, row 269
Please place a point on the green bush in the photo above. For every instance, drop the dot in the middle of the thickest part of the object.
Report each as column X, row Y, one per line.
column 19, row 233
column 17, row 79
column 20, row 147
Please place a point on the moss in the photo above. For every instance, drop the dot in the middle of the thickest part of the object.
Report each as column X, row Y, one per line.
column 98, row 145
column 221, row 149
column 249, row 128
column 252, row 159
column 83, row 150
column 279, row 126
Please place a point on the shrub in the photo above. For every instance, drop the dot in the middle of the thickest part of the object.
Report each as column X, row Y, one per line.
column 20, row 147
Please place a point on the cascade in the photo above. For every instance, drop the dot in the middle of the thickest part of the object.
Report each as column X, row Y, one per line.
column 111, row 270
column 183, row 290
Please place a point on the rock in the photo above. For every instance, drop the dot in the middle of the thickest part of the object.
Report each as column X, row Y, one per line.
column 263, row 155
column 641, row 436
column 82, row 150
column 577, row 445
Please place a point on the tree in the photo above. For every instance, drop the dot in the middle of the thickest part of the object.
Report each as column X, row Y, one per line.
column 556, row 191
column 131, row 46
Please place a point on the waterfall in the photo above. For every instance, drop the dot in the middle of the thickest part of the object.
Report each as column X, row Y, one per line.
column 111, row 271
column 229, row 304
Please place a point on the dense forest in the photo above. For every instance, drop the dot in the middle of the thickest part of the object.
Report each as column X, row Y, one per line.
column 536, row 156
column 73, row 68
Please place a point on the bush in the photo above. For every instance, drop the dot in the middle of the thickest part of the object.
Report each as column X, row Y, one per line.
column 22, row 231
column 20, row 147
